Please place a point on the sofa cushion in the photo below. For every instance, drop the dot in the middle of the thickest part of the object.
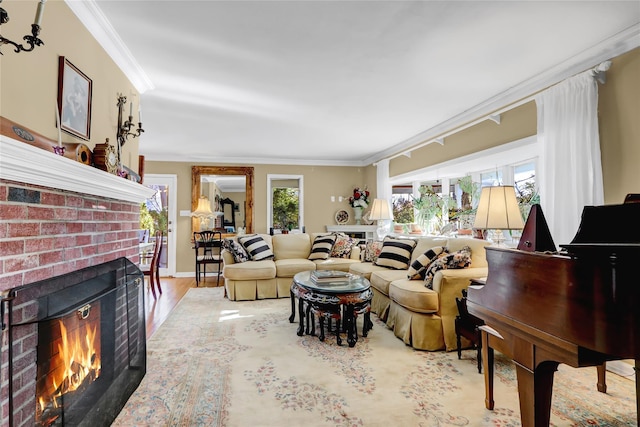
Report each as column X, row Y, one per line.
column 291, row 246
column 365, row 269
column 396, row 253
column 236, row 249
column 418, row 267
column 412, row 295
column 372, row 251
column 291, row 267
column 321, row 247
column 477, row 246
column 458, row 259
column 252, row 270
column 256, row 247
column 427, row 242
column 380, row 280
column 342, row 246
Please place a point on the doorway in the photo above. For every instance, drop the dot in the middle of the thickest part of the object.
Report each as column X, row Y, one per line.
column 162, row 207
column 285, row 202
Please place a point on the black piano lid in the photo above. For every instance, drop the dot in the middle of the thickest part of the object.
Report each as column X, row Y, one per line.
column 608, row 225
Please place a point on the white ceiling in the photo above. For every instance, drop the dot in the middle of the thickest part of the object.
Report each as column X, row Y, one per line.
column 341, row 82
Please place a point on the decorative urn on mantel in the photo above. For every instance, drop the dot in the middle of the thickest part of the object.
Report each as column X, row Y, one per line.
column 357, row 214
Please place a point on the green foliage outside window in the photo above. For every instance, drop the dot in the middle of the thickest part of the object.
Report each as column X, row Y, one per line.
column 153, row 220
column 285, row 208
column 403, row 211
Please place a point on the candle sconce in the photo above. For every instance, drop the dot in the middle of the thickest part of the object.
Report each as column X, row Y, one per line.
column 32, row 40
column 125, row 129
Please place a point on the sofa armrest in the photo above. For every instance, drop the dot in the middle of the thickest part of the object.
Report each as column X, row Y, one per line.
column 227, row 257
column 449, row 285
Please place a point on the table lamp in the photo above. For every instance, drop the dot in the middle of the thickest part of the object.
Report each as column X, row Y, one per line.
column 498, row 210
column 203, row 212
column 381, row 211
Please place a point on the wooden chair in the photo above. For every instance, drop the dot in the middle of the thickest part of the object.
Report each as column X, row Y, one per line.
column 208, row 245
column 152, row 268
column 467, row 326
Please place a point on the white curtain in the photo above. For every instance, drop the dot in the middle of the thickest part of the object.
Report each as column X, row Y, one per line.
column 570, row 167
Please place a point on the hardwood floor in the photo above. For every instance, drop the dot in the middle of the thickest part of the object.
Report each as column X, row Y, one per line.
column 173, row 289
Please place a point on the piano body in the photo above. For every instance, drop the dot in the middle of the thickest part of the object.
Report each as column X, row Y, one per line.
column 580, row 307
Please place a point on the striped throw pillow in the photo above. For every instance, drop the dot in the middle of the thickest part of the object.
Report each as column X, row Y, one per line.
column 418, row 268
column 256, row 247
column 321, row 247
column 396, row 253
column 459, row 259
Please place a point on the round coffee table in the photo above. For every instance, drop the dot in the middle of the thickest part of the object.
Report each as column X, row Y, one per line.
column 341, row 300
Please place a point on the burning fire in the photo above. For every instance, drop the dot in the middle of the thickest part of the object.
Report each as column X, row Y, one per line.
column 77, row 364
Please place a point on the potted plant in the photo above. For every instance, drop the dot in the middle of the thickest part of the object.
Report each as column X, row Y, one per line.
column 466, row 215
column 430, row 208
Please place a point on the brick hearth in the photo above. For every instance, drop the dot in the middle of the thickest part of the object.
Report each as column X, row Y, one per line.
column 58, row 216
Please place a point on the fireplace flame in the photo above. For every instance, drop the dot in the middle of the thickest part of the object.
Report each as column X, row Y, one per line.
column 78, row 365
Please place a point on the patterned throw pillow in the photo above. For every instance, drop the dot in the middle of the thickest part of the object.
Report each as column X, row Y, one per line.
column 321, row 247
column 342, row 247
column 418, row 268
column 236, row 249
column 372, row 251
column 256, row 247
column 396, row 253
column 459, row 259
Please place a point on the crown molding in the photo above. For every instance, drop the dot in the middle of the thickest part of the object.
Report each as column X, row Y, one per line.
column 616, row 45
column 21, row 162
column 198, row 159
column 99, row 26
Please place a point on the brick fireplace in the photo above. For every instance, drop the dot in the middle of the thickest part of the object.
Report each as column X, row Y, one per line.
column 57, row 216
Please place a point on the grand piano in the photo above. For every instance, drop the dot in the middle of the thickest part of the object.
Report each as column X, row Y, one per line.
column 579, row 306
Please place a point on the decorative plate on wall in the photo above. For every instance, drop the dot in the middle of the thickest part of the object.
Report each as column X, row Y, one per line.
column 342, row 217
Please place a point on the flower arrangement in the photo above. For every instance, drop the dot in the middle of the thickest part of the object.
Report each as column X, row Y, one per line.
column 360, row 198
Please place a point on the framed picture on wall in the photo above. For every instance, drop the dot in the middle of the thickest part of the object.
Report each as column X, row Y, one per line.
column 74, row 99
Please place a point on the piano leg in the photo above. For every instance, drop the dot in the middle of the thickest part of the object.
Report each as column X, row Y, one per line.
column 637, row 368
column 535, row 389
column 602, row 377
column 487, row 365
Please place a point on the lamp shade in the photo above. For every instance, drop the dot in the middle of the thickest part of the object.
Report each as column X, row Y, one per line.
column 498, row 209
column 381, row 209
column 204, row 208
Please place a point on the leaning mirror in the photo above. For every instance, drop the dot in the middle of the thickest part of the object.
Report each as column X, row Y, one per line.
column 229, row 192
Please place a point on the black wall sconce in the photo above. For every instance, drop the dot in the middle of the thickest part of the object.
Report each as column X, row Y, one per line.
column 32, row 40
column 125, row 129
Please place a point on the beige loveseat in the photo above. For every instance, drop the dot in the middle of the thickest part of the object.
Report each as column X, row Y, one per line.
column 423, row 318
column 272, row 278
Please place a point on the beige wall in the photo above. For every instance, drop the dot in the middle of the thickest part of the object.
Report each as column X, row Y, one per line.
column 619, row 109
column 29, row 80
column 515, row 124
column 619, row 120
column 320, row 183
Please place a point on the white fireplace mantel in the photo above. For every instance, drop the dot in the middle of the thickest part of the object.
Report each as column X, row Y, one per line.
column 25, row 163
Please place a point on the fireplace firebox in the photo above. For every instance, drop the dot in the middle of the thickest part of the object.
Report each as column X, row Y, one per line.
column 90, row 356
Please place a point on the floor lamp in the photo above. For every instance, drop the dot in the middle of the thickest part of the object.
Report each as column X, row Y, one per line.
column 498, row 210
column 381, row 211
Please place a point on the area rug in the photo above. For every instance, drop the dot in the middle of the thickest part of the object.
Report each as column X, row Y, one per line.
column 216, row 362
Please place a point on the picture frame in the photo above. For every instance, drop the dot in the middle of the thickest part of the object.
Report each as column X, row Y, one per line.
column 74, row 99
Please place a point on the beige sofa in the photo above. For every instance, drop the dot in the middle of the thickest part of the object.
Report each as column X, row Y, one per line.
column 423, row 318
column 272, row 278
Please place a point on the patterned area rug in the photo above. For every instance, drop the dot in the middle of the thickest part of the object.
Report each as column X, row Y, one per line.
column 216, row 362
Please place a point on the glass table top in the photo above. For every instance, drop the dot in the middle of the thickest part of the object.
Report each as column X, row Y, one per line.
column 352, row 283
